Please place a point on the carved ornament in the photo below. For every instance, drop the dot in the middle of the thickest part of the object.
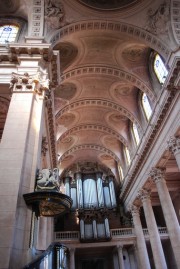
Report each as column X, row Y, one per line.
column 54, row 14
column 174, row 145
column 157, row 174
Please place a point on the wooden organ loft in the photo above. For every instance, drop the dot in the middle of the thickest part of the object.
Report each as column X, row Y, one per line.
column 94, row 210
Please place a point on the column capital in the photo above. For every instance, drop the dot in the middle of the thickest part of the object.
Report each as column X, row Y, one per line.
column 119, row 247
column 37, row 83
column 134, row 210
column 144, row 194
column 174, row 144
column 157, row 174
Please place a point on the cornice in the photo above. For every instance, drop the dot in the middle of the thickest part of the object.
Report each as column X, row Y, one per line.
column 109, row 71
column 93, row 127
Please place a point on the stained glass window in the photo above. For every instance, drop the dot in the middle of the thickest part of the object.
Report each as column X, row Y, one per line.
column 146, row 106
column 136, row 134
column 127, row 155
column 160, row 69
column 8, row 33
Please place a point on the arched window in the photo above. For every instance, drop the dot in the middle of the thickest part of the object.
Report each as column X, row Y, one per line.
column 136, row 134
column 127, row 155
column 160, row 69
column 8, row 33
column 146, row 106
column 121, row 174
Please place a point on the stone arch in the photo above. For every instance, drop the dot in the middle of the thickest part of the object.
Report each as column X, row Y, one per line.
column 102, row 25
column 93, row 127
column 89, row 147
column 102, row 103
column 108, row 71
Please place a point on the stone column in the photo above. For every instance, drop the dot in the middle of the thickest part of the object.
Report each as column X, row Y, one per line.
column 143, row 258
column 120, row 257
column 72, row 258
column 172, row 224
column 157, row 250
column 100, row 193
column 79, row 190
column 20, row 155
column 174, row 147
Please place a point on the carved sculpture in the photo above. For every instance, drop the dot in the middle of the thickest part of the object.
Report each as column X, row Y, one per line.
column 54, row 14
column 48, row 179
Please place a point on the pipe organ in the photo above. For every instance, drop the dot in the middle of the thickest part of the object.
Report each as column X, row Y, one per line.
column 99, row 192
column 93, row 197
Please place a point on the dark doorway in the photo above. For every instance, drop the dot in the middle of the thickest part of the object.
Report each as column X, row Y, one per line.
column 94, row 263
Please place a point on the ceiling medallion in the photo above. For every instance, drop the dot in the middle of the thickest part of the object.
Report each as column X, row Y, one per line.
column 108, row 5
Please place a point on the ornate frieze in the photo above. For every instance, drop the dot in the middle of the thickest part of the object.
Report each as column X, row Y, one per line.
column 144, row 194
column 174, row 144
column 44, row 146
column 135, row 210
column 37, row 18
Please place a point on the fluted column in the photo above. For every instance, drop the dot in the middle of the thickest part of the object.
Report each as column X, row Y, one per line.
column 120, row 257
column 172, row 224
column 79, row 190
column 141, row 244
column 100, row 193
column 174, row 147
column 157, row 250
column 72, row 258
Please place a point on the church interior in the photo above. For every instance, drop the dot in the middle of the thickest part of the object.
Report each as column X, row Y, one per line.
column 89, row 134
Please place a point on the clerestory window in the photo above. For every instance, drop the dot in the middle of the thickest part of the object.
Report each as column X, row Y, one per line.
column 136, row 134
column 146, row 106
column 160, row 69
column 8, row 33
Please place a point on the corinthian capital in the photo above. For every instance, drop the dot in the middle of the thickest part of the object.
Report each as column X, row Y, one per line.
column 134, row 210
column 26, row 83
column 174, row 144
column 144, row 194
column 157, row 174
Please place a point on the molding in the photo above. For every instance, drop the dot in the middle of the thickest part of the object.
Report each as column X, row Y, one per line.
column 93, row 127
column 175, row 22
column 103, row 70
column 36, row 19
column 121, row 28
column 89, row 147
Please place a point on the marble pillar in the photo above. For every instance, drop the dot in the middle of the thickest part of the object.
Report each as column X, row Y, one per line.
column 20, row 155
column 120, row 257
column 72, row 258
column 174, row 147
column 143, row 258
column 157, row 250
column 172, row 224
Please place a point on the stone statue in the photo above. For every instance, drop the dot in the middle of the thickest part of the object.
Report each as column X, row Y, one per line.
column 48, row 179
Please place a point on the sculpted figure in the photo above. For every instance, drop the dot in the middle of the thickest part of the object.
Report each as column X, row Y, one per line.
column 48, row 179
column 54, row 13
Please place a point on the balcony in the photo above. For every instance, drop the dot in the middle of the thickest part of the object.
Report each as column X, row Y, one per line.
column 116, row 234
